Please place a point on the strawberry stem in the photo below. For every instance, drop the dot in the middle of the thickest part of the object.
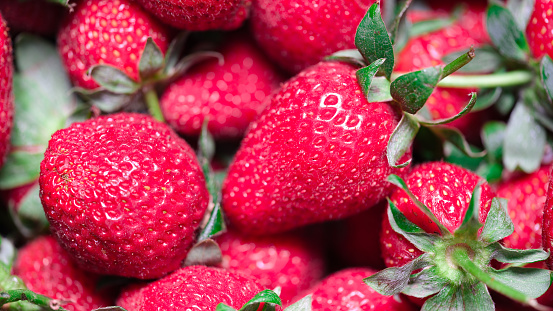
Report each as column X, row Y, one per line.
column 152, row 102
column 458, row 63
column 14, row 295
column 503, row 79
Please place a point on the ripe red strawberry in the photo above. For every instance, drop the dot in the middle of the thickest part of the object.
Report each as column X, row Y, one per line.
column 37, row 16
column 112, row 32
column 345, row 291
column 547, row 233
column 299, row 33
column 47, row 269
column 286, row 260
column 446, row 190
column 6, row 95
column 200, row 14
column 539, row 31
column 526, row 195
column 317, row 152
column 123, row 194
column 191, row 288
column 230, row 95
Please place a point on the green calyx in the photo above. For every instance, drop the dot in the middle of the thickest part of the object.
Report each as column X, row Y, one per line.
column 455, row 268
column 268, row 300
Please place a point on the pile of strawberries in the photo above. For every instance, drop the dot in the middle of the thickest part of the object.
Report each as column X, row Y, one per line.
column 276, row 155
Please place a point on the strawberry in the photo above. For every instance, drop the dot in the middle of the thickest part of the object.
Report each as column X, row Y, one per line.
column 47, row 269
column 37, row 16
column 345, row 291
column 285, row 260
column 547, row 233
column 6, row 93
column 446, row 189
column 299, row 33
column 229, row 94
column 124, row 195
column 539, row 31
column 200, row 15
column 317, row 152
column 110, row 32
column 189, row 288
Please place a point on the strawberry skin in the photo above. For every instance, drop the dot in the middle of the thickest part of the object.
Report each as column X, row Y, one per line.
column 199, row 15
column 446, row 190
column 316, row 153
column 47, row 269
column 299, row 33
column 6, row 92
column 123, row 194
column 191, row 288
column 37, row 16
column 547, row 233
column 539, row 31
column 112, row 32
column 285, row 260
column 230, row 95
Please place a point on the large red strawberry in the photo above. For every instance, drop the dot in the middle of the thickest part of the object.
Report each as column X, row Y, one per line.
column 124, row 195
column 6, row 93
column 191, row 288
column 286, row 260
column 547, row 233
column 299, row 33
column 230, row 95
column 446, row 189
column 47, row 269
column 200, row 15
column 317, row 152
column 345, row 291
column 112, row 32
column 37, row 16
column 539, row 31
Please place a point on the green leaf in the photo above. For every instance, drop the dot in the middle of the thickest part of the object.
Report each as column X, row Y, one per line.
column 498, row 223
column 398, row 20
column 488, row 60
column 303, row 304
column 455, row 137
column 224, row 307
column 365, row 75
column 113, row 79
column 530, row 281
column 152, row 60
column 393, row 280
column 206, row 143
column 108, row 101
column 14, row 295
column 20, row 168
column 465, row 110
column 509, row 255
column 521, row 11
column 206, row 252
column 379, row 90
column 175, row 50
column 413, row 89
column 267, row 296
column 546, row 73
column 505, row 33
column 413, row 233
column 62, row 2
column 477, row 297
column 8, row 252
column 398, row 181
column 471, row 224
column 425, row 283
column 351, row 56
column 30, row 218
column 373, row 41
column 487, row 98
column 491, row 172
column 456, row 156
column 493, row 136
column 524, row 141
column 450, row 298
column 190, row 60
column 401, row 139
column 215, row 225
column 430, row 25
column 111, row 308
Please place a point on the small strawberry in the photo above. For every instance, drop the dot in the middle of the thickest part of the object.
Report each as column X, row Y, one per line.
column 37, row 16
column 539, row 31
column 318, row 152
column 300, row 33
column 191, row 288
column 199, row 15
column 6, row 92
column 287, row 261
column 47, row 269
column 124, row 195
column 110, row 32
column 230, row 95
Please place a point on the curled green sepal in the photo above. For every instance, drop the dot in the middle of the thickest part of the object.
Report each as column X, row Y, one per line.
column 413, row 233
column 516, row 256
column 471, row 224
column 151, row 61
column 398, row 181
column 206, row 252
column 350, row 56
column 193, row 59
column 394, row 29
column 466, row 109
column 425, row 283
column 303, row 304
column 463, row 297
column 175, row 50
column 111, row 308
column 267, row 297
column 531, row 282
column 393, row 280
column 505, row 33
column 401, row 139
column 546, row 73
column 456, row 138
column 498, row 223
column 113, row 79
column 373, row 41
column 7, row 253
column 379, row 90
column 365, row 75
column 14, row 295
